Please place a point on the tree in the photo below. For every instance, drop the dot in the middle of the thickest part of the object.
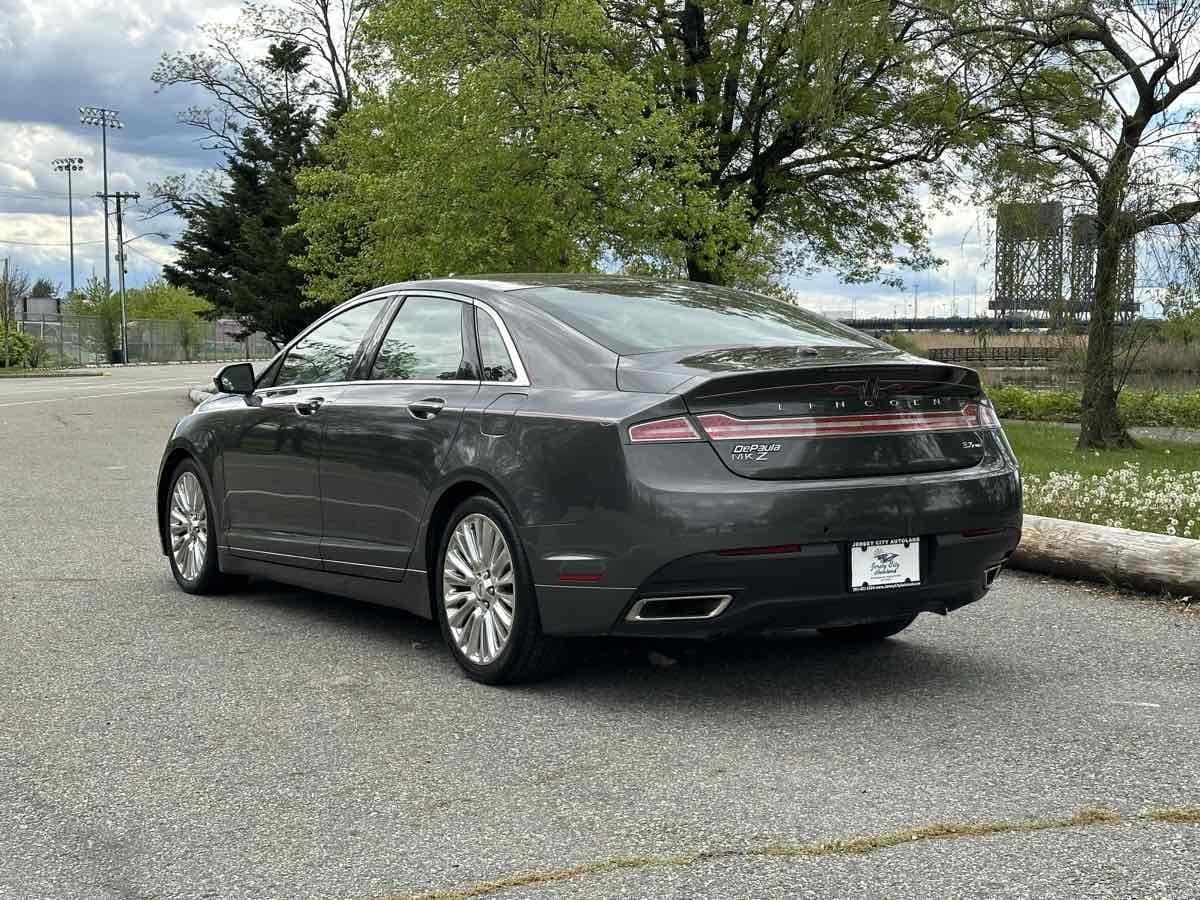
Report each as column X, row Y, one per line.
column 14, row 284
column 100, row 309
column 1102, row 119
column 43, row 287
column 236, row 248
column 726, row 141
column 161, row 301
column 316, row 45
column 313, row 50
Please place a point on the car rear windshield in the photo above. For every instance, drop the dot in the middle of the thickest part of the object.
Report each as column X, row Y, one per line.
column 646, row 318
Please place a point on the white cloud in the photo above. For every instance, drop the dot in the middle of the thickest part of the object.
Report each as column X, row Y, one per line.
column 56, row 56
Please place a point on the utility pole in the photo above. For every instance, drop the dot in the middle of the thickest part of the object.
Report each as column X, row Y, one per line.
column 70, row 164
column 4, row 319
column 104, row 119
column 119, row 197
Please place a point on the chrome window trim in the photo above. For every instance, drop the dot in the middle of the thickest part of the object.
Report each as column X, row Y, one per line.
column 522, row 379
column 522, row 375
column 336, row 311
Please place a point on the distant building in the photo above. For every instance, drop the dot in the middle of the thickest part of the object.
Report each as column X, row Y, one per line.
column 37, row 307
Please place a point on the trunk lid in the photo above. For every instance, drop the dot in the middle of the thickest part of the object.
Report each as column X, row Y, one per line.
column 791, row 413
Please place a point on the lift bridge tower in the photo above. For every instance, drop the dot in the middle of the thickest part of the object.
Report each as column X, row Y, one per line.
column 1084, row 241
column 1029, row 259
column 1045, row 270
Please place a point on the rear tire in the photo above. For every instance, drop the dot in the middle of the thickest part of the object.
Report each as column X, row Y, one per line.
column 485, row 601
column 868, row 631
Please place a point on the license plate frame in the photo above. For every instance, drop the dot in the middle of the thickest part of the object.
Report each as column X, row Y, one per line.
column 887, row 564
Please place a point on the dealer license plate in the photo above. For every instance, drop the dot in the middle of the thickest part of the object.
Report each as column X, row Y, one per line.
column 885, row 564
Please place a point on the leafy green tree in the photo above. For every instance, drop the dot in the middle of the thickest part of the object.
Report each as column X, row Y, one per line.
column 158, row 299
column 43, row 287
column 14, row 284
column 161, row 301
column 236, row 248
column 726, row 141
column 100, row 329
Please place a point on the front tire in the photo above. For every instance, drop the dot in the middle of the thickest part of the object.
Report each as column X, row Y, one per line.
column 868, row 631
column 191, row 532
column 485, row 600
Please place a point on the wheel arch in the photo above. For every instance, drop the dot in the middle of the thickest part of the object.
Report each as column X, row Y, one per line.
column 170, row 463
column 467, row 484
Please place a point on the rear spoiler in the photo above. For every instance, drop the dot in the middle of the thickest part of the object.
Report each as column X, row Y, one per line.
column 834, row 379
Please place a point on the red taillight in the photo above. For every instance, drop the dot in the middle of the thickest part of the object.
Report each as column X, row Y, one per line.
column 674, row 429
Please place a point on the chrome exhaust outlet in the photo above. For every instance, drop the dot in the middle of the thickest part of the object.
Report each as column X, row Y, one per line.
column 679, row 609
column 989, row 575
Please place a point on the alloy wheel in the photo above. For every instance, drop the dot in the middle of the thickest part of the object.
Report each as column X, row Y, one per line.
column 479, row 588
column 189, row 526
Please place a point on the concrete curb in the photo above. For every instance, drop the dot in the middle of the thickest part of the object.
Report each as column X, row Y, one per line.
column 1121, row 556
column 169, row 362
column 199, row 395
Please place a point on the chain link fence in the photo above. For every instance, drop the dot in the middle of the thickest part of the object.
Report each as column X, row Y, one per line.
column 95, row 340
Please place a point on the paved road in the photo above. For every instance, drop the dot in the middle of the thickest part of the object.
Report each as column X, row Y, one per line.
column 285, row 744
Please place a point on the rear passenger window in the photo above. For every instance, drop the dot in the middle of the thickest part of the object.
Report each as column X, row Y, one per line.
column 497, row 364
column 424, row 343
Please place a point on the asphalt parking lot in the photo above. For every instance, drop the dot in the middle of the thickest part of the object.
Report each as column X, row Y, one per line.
column 283, row 744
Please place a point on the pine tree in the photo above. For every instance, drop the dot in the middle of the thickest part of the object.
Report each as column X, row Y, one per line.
column 236, row 249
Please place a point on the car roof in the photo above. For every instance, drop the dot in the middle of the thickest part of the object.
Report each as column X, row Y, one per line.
column 504, row 283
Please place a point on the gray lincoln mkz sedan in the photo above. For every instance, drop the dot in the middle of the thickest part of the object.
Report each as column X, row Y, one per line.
column 526, row 458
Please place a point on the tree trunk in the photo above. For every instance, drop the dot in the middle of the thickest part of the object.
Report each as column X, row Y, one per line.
column 1101, row 426
column 696, row 271
column 1148, row 562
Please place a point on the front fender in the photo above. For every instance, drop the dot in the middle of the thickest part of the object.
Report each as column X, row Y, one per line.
column 191, row 439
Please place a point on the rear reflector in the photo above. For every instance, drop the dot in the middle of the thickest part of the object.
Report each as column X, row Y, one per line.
column 980, row 532
column 676, row 429
column 722, row 427
column 579, row 577
column 761, row 551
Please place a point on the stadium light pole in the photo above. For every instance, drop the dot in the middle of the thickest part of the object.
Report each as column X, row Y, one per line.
column 70, row 164
column 104, row 119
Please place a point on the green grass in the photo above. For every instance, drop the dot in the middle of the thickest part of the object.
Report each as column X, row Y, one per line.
column 1155, row 487
column 1043, row 449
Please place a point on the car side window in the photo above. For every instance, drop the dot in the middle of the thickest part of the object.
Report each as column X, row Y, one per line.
column 424, row 343
column 497, row 364
column 326, row 353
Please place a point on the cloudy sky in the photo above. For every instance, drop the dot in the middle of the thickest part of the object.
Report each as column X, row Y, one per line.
column 56, row 56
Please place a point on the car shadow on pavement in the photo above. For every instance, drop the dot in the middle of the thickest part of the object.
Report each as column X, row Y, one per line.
column 801, row 665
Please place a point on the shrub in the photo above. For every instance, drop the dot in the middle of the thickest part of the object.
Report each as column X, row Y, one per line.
column 1146, row 408
column 39, row 353
column 19, row 345
column 902, row 341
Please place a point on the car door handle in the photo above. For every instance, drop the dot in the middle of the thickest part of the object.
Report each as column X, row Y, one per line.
column 427, row 408
column 310, row 407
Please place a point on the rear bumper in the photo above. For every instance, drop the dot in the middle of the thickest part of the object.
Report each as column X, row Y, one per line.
column 661, row 535
column 803, row 589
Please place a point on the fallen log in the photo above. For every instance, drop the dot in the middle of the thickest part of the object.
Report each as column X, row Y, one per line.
column 1136, row 559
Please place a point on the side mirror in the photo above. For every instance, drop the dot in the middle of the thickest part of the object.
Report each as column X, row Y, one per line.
column 235, row 378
